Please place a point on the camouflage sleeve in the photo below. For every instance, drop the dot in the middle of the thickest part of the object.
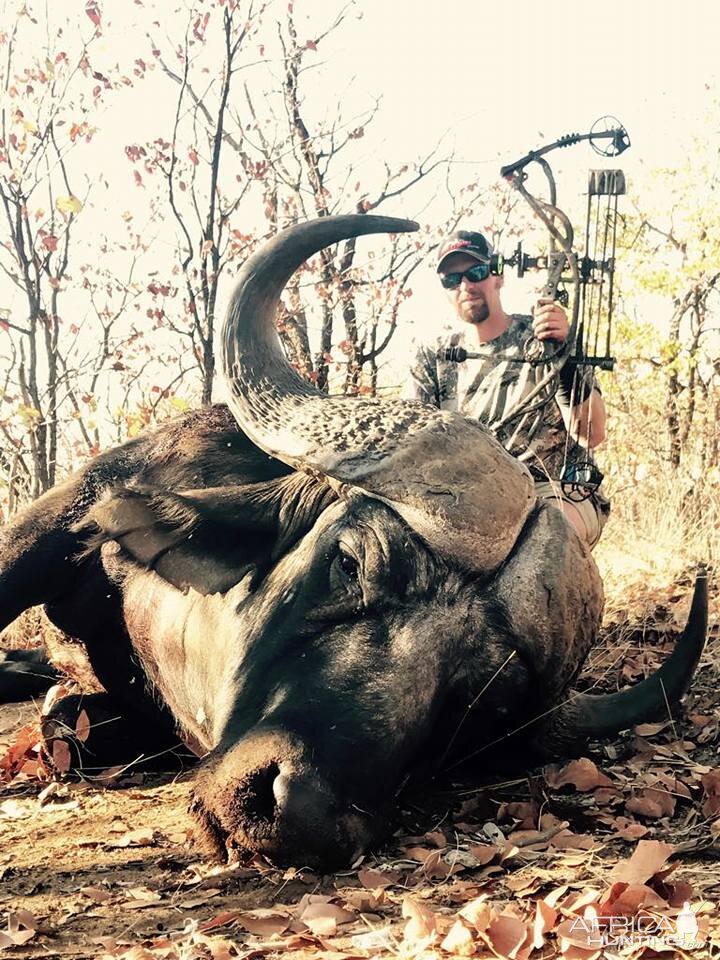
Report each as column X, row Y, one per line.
column 422, row 382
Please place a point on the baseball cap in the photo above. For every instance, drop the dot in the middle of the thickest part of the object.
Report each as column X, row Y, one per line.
column 469, row 242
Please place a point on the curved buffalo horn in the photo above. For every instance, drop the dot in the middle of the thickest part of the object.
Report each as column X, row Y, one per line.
column 445, row 475
column 591, row 716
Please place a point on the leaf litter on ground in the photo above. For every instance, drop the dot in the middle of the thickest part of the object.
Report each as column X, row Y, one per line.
column 536, row 869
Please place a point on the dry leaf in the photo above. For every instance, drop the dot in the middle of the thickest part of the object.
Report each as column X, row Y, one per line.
column 220, row 920
column 677, row 894
column 308, row 898
column 96, row 894
column 507, row 935
column 420, row 854
column 82, row 726
column 628, row 829
column 626, row 899
column 545, row 919
column 651, row 803
column 223, row 949
column 711, row 786
column 68, row 204
column 552, row 898
column 478, row 914
column 674, row 786
column 143, row 893
column 524, row 811
column 21, row 753
column 700, row 719
column 582, row 774
column 483, row 852
column 21, row 927
column 135, row 838
column 15, row 809
column 61, row 756
column 607, row 796
column 364, row 901
column 524, row 884
column 422, row 922
column 567, row 840
column 651, row 729
column 571, row 858
column 55, row 693
column 438, row 838
column 323, row 918
column 647, row 859
column 577, row 902
column 459, row 940
column 263, row 922
column 435, row 868
column 578, row 932
column 374, row 940
column 374, row 879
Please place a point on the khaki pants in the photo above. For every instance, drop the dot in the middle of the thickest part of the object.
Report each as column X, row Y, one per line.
column 590, row 513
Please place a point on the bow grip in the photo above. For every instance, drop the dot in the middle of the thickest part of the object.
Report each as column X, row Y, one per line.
column 556, row 261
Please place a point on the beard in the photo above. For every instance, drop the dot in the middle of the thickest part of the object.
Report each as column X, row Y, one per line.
column 475, row 311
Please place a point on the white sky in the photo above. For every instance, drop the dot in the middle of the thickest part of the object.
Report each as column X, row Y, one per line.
column 500, row 73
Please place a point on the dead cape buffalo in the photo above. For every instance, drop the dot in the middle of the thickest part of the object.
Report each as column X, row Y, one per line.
column 318, row 593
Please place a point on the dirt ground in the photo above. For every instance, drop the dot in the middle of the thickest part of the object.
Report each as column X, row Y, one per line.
column 92, row 871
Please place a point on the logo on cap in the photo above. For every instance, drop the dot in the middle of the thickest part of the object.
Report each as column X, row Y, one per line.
column 458, row 245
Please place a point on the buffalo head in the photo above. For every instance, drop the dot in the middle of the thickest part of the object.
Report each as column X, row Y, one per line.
column 392, row 594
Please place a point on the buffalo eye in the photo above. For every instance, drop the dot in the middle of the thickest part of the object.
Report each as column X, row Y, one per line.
column 349, row 565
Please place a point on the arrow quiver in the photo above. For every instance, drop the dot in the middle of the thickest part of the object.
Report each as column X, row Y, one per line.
column 597, row 273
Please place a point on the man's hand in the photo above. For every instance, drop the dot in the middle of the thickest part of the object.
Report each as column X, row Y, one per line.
column 550, row 321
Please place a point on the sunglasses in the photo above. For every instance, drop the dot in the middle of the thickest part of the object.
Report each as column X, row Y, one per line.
column 481, row 271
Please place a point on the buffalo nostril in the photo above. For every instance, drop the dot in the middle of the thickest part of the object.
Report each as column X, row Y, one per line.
column 298, row 800
column 259, row 796
column 281, row 790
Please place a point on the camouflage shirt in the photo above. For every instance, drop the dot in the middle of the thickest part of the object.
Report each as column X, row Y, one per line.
column 487, row 388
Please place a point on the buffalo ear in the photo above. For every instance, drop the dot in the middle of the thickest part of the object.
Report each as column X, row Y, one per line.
column 205, row 540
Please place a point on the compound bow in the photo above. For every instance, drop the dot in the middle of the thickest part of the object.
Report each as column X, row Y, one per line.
column 591, row 276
